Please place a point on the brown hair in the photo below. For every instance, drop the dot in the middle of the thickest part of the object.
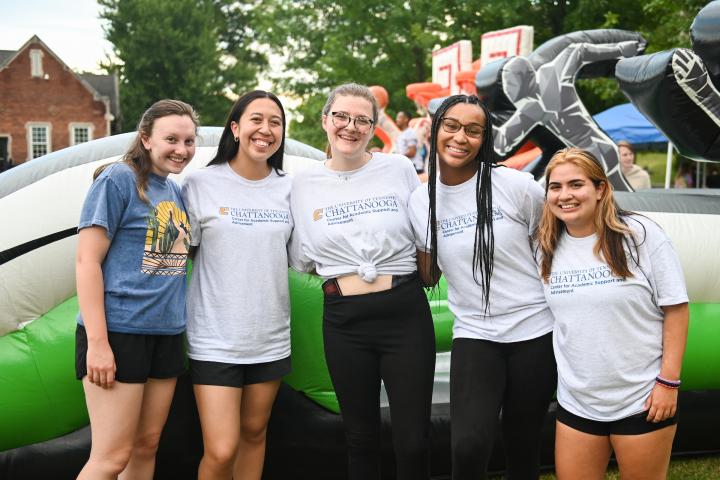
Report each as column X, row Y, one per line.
column 137, row 156
column 626, row 144
column 612, row 231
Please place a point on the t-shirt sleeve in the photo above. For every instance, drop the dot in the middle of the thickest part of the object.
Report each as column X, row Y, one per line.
column 192, row 206
column 411, row 178
column 418, row 210
column 533, row 205
column 104, row 205
column 297, row 258
column 669, row 280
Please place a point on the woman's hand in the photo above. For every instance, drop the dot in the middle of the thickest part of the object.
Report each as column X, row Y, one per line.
column 101, row 364
column 661, row 404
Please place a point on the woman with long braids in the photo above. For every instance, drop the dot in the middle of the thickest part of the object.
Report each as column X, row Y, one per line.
column 132, row 251
column 352, row 228
column 473, row 223
column 238, row 298
column 616, row 288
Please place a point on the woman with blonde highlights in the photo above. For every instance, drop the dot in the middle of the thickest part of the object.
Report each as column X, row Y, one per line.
column 616, row 289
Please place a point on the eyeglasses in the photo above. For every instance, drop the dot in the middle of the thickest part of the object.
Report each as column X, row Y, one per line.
column 472, row 130
column 342, row 120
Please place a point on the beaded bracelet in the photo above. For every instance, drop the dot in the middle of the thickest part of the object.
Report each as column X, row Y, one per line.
column 667, row 383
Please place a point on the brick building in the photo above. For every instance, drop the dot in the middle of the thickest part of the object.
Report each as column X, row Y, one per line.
column 45, row 106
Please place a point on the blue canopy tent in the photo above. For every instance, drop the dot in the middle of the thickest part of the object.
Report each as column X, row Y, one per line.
column 625, row 122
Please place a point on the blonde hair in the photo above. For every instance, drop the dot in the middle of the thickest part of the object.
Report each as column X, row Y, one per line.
column 613, row 234
column 352, row 90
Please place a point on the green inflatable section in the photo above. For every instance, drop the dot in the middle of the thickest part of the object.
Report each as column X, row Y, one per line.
column 40, row 398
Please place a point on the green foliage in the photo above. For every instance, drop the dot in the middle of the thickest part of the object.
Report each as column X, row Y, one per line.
column 193, row 50
column 389, row 42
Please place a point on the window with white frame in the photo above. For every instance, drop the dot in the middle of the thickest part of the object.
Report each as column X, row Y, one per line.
column 36, row 66
column 80, row 133
column 38, row 140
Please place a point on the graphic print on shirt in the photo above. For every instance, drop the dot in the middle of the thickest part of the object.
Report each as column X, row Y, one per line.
column 456, row 225
column 253, row 216
column 566, row 281
column 345, row 212
column 167, row 240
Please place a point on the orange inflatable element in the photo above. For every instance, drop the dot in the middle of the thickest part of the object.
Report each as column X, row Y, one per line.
column 466, row 78
column 422, row 93
column 385, row 130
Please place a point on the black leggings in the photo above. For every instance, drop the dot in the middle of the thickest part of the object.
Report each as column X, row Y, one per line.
column 521, row 378
column 385, row 335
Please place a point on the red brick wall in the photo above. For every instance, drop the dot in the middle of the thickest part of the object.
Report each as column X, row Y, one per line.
column 60, row 100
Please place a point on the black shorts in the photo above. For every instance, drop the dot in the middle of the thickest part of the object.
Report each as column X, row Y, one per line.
column 237, row 375
column 137, row 356
column 633, row 425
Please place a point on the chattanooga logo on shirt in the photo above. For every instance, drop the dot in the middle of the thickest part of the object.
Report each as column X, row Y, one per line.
column 459, row 223
column 566, row 281
column 252, row 216
column 347, row 211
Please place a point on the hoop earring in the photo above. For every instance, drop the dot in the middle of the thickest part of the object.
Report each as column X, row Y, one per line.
column 237, row 139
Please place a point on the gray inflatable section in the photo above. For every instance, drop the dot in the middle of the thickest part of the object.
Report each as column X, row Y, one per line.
column 30, row 172
column 534, row 98
column 671, row 201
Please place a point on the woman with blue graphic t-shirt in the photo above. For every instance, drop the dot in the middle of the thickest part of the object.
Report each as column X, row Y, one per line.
column 132, row 251
column 238, row 300
column 473, row 223
column 616, row 289
column 352, row 228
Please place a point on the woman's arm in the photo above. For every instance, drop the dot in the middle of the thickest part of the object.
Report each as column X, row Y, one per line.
column 424, row 263
column 662, row 402
column 93, row 245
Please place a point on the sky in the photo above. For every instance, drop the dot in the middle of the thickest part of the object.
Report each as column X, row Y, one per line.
column 70, row 28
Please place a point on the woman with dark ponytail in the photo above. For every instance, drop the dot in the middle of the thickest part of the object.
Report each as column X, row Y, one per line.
column 502, row 358
column 238, row 299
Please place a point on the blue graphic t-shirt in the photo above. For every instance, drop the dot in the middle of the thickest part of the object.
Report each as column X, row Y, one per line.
column 144, row 269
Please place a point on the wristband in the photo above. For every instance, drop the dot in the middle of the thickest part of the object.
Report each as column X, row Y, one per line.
column 667, row 383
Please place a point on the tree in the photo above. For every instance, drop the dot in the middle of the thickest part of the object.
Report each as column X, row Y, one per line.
column 389, row 42
column 193, row 50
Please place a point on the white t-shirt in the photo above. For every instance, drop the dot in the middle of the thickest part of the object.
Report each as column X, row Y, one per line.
column 238, row 303
column 608, row 331
column 517, row 308
column 356, row 221
column 404, row 141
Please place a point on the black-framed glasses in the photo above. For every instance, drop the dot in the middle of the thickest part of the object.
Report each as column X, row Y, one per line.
column 342, row 120
column 472, row 130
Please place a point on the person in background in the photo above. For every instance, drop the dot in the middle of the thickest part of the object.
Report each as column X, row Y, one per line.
column 684, row 177
column 407, row 142
column 132, row 251
column 238, row 300
column 473, row 222
column 638, row 177
column 616, row 288
column 352, row 228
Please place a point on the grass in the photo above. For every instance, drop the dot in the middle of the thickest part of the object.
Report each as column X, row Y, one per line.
column 698, row 468
column 654, row 163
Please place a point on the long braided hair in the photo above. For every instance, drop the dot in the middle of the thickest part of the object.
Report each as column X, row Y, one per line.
column 484, row 245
